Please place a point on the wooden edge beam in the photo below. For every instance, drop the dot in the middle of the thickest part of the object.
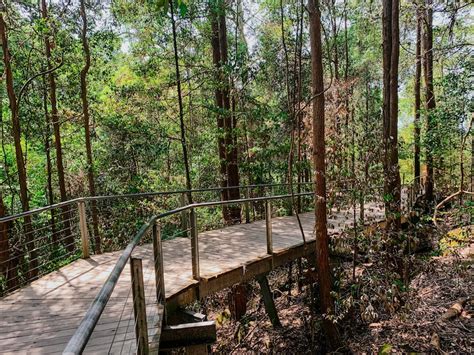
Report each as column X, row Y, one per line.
column 188, row 334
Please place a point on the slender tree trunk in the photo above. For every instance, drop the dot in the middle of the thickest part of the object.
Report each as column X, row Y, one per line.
column 49, row 165
column 180, row 105
column 430, row 98
column 387, row 52
column 66, row 215
column 395, row 183
column 334, row 36
column 417, row 170
column 85, row 113
column 20, row 162
column 322, row 240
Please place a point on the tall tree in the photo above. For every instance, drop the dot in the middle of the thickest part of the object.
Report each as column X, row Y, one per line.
column 391, row 51
column 417, row 88
column 319, row 155
column 20, row 161
column 226, row 120
column 87, row 132
column 66, row 215
column 430, row 102
column 180, row 106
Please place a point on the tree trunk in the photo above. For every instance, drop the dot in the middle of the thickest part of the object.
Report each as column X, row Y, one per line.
column 322, row 240
column 226, row 121
column 391, row 48
column 417, row 170
column 395, row 183
column 49, row 165
column 180, row 105
column 231, row 148
column 20, row 162
column 85, row 113
column 66, row 215
column 430, row 98
column 216, row 58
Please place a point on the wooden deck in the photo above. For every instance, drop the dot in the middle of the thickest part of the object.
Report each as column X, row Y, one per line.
column 42, row 317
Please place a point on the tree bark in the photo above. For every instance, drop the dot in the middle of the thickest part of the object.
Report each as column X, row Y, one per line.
column 231, row 148
column 66, row 215
column 391, row 49
column 216, row 58
column 180, row 106
column 430, row 98
column 417, row 130
column 20, row 162
column 322, row 240
column 226, row 123
column 86, row 116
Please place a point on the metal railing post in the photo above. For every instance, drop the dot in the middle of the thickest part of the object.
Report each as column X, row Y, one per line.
column 184, row 219
column 81, row 208
column 139, row 306
column 159, row 271
column 194, row 243
column 268, row 224
column 247, row 206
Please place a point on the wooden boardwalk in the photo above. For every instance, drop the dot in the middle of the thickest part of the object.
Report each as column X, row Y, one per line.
column 42, row 317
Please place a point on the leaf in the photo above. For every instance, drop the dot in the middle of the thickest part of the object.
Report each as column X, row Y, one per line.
column 183, row 8
column 385, row 349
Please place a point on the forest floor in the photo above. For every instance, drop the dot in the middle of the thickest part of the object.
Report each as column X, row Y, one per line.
column 378, row 314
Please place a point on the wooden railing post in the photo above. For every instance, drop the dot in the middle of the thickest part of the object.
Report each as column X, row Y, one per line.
column 139, row 306
column 81, row 208
column 268, row 224
column 194, row 243
column 159, row 271
column 247, row 205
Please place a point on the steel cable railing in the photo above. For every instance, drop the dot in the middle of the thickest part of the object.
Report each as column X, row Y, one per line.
column 86, row 329
column 63, row 232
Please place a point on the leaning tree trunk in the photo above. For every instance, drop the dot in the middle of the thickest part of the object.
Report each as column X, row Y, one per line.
column 85, row 113
column 66, row 215
column 430, row 99
column 20, row 162
column 322, row 239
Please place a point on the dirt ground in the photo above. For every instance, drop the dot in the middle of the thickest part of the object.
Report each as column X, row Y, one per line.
column 407, row 321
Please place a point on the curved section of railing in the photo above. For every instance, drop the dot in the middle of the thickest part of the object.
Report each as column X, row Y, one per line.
column 79, row 340
column 63, row 232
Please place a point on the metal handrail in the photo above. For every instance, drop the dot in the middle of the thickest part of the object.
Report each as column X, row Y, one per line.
column 79, row 340
column 136, row 195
